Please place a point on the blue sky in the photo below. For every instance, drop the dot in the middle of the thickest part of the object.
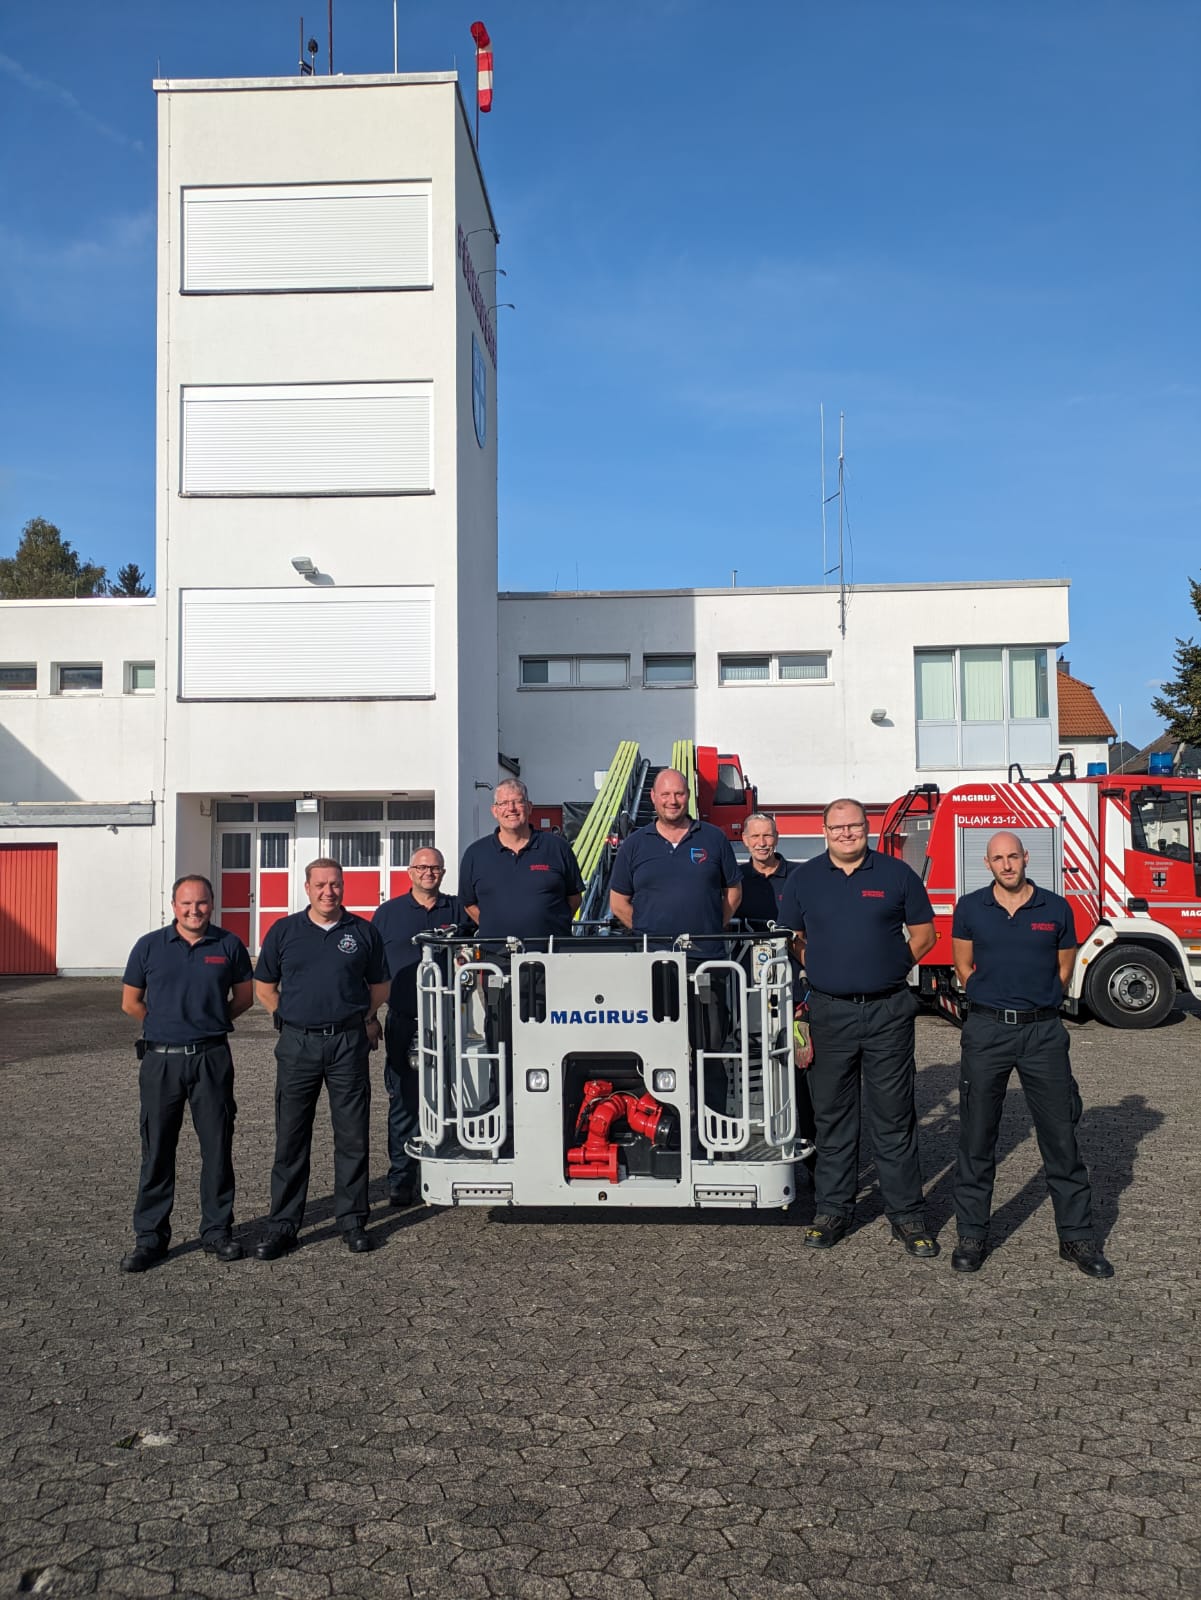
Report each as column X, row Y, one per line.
column 974, row 228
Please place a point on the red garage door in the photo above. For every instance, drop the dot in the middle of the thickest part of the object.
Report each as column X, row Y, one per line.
column 28, row 908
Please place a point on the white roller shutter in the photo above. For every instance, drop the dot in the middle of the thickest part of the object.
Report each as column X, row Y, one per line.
column 303, row 237
column 301, row 439
column 306, row 644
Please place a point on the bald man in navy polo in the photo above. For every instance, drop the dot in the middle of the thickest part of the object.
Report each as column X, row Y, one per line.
column 1014, row 946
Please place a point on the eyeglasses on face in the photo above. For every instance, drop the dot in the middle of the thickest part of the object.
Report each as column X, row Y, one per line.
column 851, row 828
column 422, row 866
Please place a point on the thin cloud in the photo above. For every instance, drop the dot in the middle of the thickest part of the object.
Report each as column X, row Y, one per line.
column 59, row 283
column 64, row 97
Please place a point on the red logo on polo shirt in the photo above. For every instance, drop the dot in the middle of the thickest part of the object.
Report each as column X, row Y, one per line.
column 214, row 961
column 539, row 866
column 1043, row 927
column 872, row 894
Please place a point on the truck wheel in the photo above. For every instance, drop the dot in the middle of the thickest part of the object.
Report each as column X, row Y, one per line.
column 1129, row 986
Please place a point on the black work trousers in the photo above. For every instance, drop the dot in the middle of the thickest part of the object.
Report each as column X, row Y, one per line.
column 304, row 1062
column 871, row 1042
column 401, row 1082
column 991, row 1050
column 204, row 1082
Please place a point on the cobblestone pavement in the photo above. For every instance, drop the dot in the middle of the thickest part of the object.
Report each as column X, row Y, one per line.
column 538, row 1406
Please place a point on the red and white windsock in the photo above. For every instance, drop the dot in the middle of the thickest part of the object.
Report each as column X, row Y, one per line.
column 483, row 66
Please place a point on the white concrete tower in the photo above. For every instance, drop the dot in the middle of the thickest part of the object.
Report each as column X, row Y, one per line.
column 326, row 558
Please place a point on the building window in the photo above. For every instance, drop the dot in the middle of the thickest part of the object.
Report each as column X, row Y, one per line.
column 405, row 843
column 21, row 677
column 412, row 810
column 353, row 811
column 353, row 850
column 293, row 439
column 669, row 672
column 983, row 707
column 306, row 237
column 235, row 811
column 139, row 677
column 787, row 667
column 277, row 811
column 575, row 672
column 81, row 678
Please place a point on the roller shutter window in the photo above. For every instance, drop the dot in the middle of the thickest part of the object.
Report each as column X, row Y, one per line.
column 305, row 237
column 308, row 439
column 310, row 644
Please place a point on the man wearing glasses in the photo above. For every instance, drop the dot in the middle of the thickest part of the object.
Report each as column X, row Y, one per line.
column 520, row 881
column 863, row 920
column 398, row 920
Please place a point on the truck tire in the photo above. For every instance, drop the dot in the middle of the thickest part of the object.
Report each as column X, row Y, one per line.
column 1129, row 986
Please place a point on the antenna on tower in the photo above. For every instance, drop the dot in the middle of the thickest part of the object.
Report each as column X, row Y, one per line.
column 840, row 496
column 331, row 38
column 821, row 412
column 309, row 67
column 842, row 571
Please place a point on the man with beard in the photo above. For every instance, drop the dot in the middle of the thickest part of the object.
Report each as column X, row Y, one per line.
column 1014, row 946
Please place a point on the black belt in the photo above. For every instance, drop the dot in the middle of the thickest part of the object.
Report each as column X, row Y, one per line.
column 190, row 1049
column 324, row 1028
column 1014, row 1018
column 863, row 999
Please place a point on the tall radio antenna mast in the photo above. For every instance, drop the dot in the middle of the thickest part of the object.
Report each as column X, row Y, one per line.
column 821, row 412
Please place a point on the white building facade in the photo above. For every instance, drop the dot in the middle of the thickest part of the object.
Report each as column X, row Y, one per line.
column 930, row 683
column 307, row 679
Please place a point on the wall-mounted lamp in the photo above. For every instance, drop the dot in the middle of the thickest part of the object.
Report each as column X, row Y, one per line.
column 879, row 717
column 480, row 784
column 306, row 806
column 504, row 305
column 306, row 568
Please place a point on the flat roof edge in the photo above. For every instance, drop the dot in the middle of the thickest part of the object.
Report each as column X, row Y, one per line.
column 378, row 80
column 95, row 600
column 819, row 588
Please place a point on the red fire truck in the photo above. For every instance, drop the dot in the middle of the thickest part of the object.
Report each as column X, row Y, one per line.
column 1124, row 851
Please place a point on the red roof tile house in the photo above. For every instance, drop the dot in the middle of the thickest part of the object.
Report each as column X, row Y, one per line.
column 1084, row 730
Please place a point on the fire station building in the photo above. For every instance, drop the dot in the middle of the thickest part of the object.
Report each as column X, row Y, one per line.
column 315, row 673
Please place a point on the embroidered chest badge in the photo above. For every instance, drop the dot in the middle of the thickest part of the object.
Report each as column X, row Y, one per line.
column 348, row 944
column 699, row 855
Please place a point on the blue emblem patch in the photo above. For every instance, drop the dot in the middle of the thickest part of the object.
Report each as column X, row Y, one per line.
column 699, row 855
column 479, row 392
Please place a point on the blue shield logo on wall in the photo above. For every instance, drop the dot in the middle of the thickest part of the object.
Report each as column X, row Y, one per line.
column 479, row 392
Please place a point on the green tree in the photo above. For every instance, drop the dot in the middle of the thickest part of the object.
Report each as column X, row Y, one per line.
column 1180, row 703
column 46, row 567
column 131, row 581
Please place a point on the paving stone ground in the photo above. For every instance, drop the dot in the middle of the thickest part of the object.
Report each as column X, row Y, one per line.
column 534, row 1406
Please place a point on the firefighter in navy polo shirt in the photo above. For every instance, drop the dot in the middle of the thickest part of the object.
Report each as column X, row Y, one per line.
column 397, row 921
column 675, row 876
column 323, row 975
column 1014, row 946
column 864, row 919
column 519, row 881
column 185, row 984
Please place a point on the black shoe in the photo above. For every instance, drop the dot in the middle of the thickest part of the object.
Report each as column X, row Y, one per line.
column 1086, row 1255
column 917, row 1238
column 276, row 1245
column 968, row 1255
column 823, row 1233
column 143, row 1256
column 402, row 1196
column 224, row 1247
column 357, row 1240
